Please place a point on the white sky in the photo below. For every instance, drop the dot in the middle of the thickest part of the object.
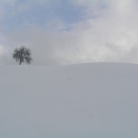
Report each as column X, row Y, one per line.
column 70, row 31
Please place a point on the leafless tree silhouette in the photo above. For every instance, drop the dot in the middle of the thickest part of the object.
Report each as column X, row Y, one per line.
column 22, row 54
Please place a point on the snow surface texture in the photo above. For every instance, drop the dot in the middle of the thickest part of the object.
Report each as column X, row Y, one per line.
column 97, row 100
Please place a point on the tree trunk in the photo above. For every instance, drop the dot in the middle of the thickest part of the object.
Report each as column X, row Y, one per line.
column 20, row 62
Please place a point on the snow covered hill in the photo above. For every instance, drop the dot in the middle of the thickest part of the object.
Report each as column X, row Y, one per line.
column 98, row 100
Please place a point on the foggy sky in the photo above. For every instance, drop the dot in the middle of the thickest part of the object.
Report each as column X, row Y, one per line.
column 70, row 31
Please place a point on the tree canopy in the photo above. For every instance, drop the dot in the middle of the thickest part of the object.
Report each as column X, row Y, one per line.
column 22, row 54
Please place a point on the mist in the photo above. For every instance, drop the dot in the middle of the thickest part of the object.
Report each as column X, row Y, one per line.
column 107, row 32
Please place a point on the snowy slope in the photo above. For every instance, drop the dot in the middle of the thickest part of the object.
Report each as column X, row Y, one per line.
column 98, row 100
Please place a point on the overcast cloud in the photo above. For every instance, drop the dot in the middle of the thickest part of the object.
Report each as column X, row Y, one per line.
column 70, row 31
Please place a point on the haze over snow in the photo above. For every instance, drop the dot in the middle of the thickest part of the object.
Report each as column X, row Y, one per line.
column 79, row 101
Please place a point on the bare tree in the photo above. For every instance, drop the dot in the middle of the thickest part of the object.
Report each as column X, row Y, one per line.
column 22, row 54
